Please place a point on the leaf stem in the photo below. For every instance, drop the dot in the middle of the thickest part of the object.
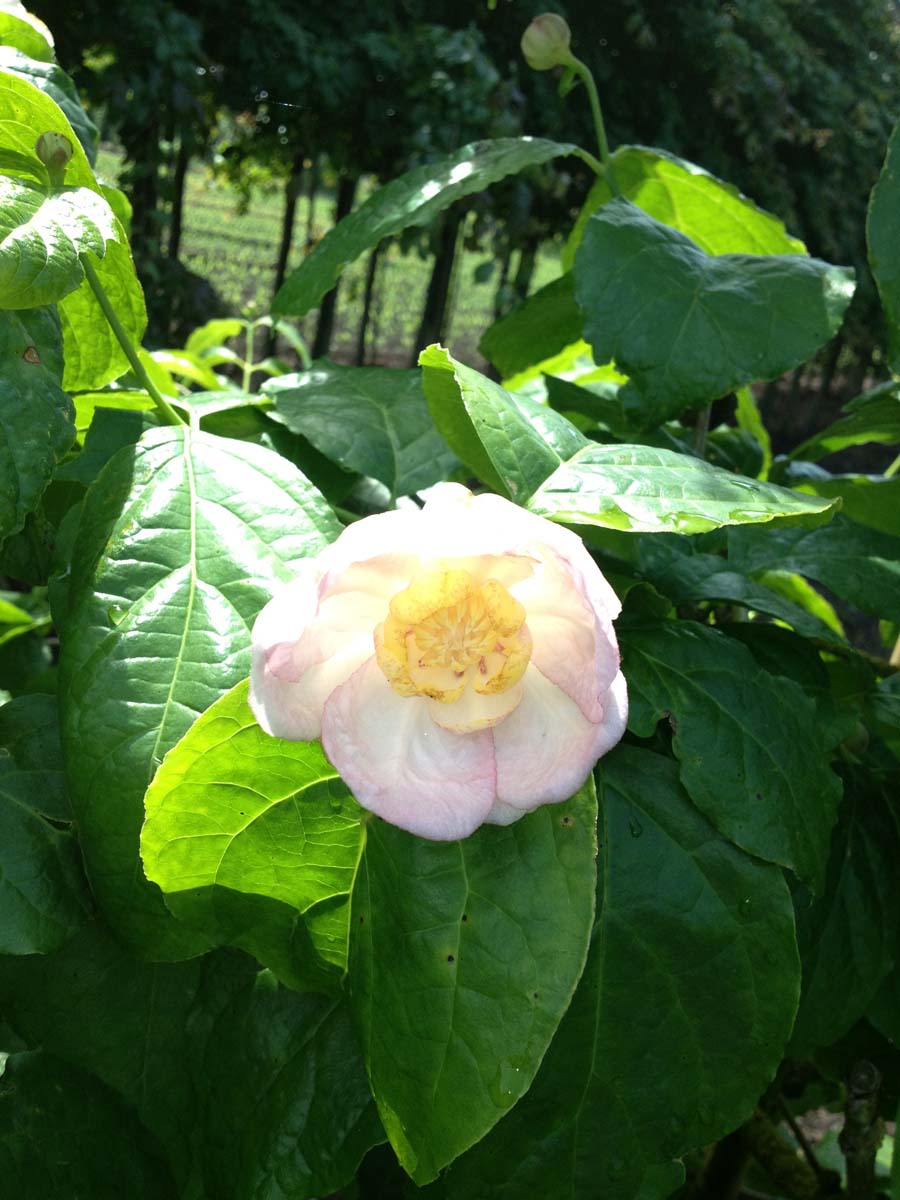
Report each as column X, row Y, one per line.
column 250, row 350
column 584, row 74
column 166, row 411
column 701, row 428
column 894, row 467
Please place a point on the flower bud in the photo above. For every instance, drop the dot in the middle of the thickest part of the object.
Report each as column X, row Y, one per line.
column 545, row 43
column 54, row 150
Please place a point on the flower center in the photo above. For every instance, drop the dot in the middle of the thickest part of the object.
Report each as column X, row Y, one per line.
column 446, row 631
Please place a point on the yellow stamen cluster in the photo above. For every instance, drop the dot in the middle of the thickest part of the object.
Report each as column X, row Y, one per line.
column 446, row 630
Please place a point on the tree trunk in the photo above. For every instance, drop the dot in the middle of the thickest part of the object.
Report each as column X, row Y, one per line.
column 434, row 314
column 501, row 299
column 291, row 193
column 367, row 305
column 343, row 206
column 142, row 155
column 525, row 271
column 311, row 200
column 179, row 180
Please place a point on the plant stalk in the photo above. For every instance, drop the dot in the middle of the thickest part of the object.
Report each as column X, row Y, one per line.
column 166, row 411
column 584, row 74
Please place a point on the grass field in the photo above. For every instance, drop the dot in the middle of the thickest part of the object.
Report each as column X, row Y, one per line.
column 236, row 252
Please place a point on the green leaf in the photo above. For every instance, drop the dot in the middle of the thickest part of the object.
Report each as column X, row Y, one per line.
column 748, row 418
column 209, row 337
column 87, row 403
column 859, row 564
column 645, row 489
column 537, row 329
column 45, row 225
column 509, row 442
column 42, row 256
column 248, row 1087
column 111, row 429
column 883, row 239
column 850, row 936
column 373, row 420
column 93, row 354
column 464, row 959
column 691, row 578
column 415, row 198
column 684, row 196
column 687, row 327
column 36, row 416
column 27, row 33
column 681, row 1016
column 255, row 842
column 43, row 894
column 50, row 78
column 288, row 1109
column 749, row 745
column 65, row 1136
column 871, row 500
column 872, row 417
column 180, row 543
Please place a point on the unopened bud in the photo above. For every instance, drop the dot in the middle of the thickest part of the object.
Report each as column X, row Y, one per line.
column 54, row 150
column 545, row 43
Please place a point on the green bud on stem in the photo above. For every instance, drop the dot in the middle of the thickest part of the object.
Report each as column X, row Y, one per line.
column 546, row 41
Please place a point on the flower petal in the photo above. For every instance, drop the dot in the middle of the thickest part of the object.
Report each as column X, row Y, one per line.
column 574, row 645
column 474, row 710
column 546, row 748
column 295, row 666
column 402, row 766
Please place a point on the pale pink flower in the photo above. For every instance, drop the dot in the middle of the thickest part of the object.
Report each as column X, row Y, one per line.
column 458, row 662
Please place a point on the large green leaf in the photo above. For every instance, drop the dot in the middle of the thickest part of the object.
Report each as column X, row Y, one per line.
column 255, row 842
column 871, row 500
column 687, row 578
column 373, row 420
column 749, row 744
column 415, row 198
column 66, row 1136
column 859, row 564
column 36, row 416
column 679, row 1021
column 93, row 354
column 51, row 79
column 535, row 330
column 464, row 958
column 645, row 489
column 678, row 193
column 510, row 442
column 883, row 238
column 45, row 225
column 688, row 327
column 180, row 543
column 247, row 1086
column 40, row 257
column 850, row 936
column 43, row 893
column 872, row 417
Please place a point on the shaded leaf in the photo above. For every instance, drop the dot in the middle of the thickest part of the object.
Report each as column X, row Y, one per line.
column 46, row 75
column 43, row 893
column 687, row 327
column 56, row 1149
column 36, row 416
column 872, row 417
column 859, row 564
column 850, row 936
column 883, row 239
column 415, row 198
column 749, row 745
column 461, row 969
column 180, row 543
column 537, row 329
column 373, row 420
column 681, row 1016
